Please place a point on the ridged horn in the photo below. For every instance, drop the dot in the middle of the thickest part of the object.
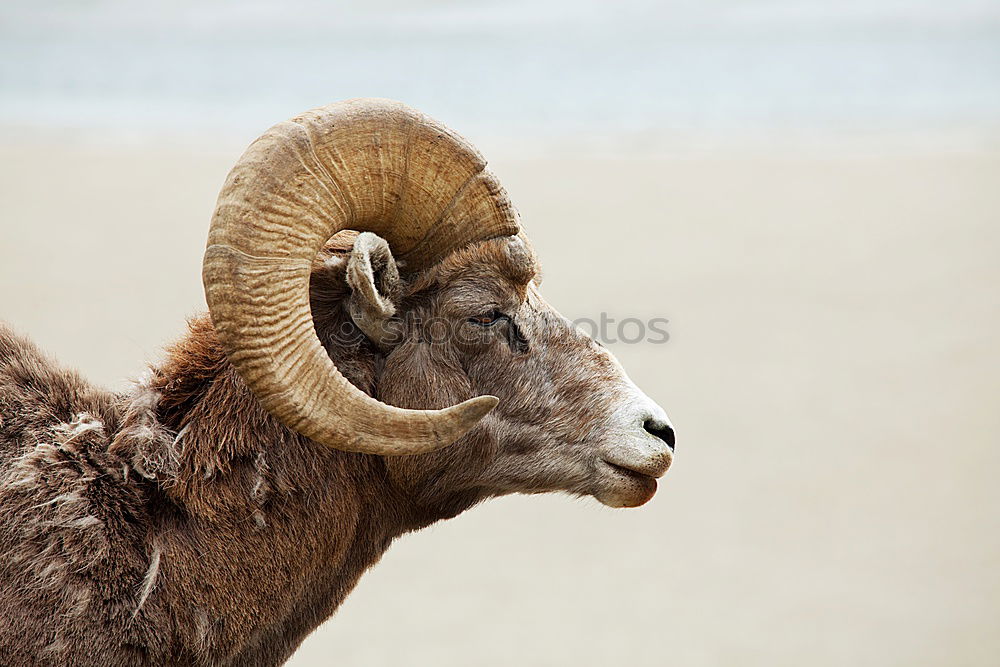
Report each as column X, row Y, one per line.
column 367, row 165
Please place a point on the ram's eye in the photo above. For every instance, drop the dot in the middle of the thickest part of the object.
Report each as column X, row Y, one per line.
column 488, row 319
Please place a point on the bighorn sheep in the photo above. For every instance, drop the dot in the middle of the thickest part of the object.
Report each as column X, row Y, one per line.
column 346, row 388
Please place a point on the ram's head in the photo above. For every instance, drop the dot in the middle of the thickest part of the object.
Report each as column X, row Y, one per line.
column 461, row 360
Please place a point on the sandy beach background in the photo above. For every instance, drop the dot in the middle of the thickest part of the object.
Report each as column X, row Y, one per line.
column 829, row 269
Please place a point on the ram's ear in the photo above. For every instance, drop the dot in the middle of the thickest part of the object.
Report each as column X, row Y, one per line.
column 375, row 288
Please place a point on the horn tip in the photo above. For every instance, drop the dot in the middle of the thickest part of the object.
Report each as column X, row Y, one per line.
column 487, row 401
column 471, row 411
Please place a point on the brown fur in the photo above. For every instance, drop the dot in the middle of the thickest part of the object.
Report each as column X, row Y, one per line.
column 181, row 524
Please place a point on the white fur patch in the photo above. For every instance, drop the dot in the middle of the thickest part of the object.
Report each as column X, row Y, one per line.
column 149, row 581
column 260, row 486
column 61, row 499
column 154, row 452
column 83, row 423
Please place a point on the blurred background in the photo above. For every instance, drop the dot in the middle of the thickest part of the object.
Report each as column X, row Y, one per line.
column 809, row 191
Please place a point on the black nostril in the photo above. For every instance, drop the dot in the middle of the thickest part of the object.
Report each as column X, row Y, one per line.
column 661, row 431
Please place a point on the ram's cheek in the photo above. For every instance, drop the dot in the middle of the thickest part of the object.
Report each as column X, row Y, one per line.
column 423, row 376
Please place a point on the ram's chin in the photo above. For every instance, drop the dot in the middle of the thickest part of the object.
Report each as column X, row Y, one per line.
column 626, row 488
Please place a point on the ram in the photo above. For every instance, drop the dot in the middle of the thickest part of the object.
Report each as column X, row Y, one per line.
column 344, row 389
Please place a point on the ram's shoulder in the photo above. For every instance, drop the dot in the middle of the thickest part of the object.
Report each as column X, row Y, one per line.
column 38, row 395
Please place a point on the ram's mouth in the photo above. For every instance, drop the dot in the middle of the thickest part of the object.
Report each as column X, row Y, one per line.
column 624, row 487
column 629, row 472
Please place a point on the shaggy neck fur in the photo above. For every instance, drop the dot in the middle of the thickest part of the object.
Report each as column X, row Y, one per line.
column 266, row 530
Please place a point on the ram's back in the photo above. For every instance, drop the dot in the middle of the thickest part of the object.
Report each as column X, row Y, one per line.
column 71, row 523
column 36, row 395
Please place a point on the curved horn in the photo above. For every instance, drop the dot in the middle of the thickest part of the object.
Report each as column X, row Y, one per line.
column 367, row 165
